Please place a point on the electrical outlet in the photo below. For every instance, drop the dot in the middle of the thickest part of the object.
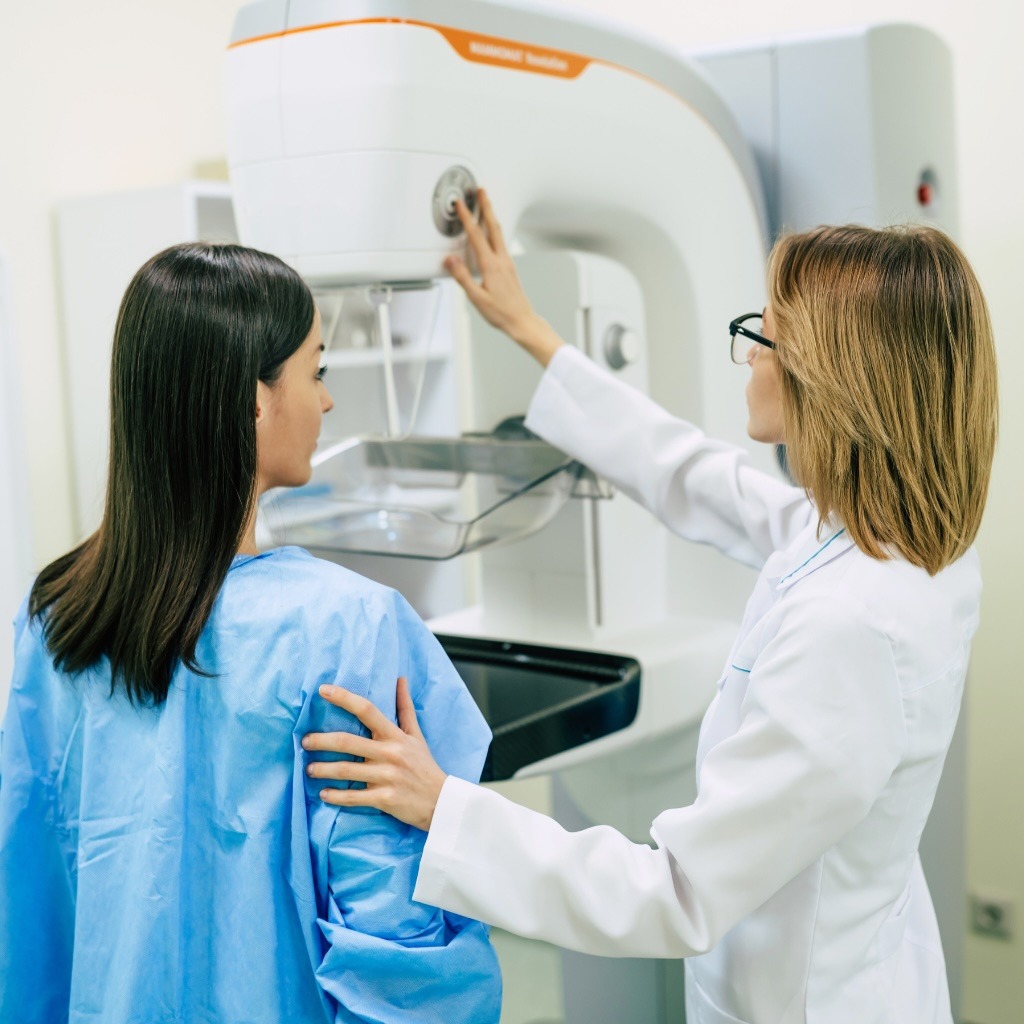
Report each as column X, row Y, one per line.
column 992, row 916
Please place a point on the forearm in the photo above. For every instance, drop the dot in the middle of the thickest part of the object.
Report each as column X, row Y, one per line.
column 537, row 337
column 704, row 490
column 593, row 891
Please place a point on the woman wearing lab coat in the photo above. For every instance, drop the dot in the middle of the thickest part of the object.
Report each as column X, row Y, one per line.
column 793, row 880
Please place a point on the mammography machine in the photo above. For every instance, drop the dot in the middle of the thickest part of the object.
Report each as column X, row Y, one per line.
column 600, row 204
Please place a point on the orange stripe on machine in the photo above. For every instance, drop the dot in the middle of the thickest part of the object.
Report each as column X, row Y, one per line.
column 470, row 46
column 518, row 56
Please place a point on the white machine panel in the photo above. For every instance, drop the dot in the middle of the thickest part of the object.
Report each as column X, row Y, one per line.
column 851, row 127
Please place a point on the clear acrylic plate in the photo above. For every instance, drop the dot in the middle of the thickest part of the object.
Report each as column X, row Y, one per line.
column 424, row 497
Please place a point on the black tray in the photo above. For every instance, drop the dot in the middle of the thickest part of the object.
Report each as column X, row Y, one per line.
column 540, row 701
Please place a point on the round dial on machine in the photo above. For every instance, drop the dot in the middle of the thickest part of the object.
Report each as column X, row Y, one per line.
column 622, row 346
column 456, row 183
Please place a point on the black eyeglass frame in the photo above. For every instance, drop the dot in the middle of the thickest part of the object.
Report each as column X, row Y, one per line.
column 736, row 327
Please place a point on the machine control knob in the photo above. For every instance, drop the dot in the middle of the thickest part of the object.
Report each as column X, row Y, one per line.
column 456, row 183
column 622, row 346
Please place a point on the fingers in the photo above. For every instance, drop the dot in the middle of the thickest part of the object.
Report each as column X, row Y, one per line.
column 410, row 798
column 478, row 241
column 458, row 269
column 494, row 231
column 377, row 789
column 469, row 222
column 344, row 771
column 406, row 709
column 339, row 743
column 349, row 797
column 363, row 709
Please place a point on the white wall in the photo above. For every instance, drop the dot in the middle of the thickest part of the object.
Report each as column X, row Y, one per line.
column 15, row 536
column 114, row 94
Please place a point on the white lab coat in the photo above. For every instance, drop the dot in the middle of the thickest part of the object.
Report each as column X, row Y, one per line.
column 793, row 880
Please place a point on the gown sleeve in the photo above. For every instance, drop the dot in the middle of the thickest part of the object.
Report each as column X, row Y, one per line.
column 385, row 957
column 37, row 857
column 821, row 731
column 702, row 489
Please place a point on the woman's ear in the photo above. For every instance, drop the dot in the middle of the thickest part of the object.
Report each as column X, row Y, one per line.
column 262, row 393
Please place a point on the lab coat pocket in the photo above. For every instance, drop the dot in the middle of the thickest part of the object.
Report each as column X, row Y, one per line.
column 890, row 935
column 722, row 718
column 736, row 675
column 739, row 671
column 733, row 690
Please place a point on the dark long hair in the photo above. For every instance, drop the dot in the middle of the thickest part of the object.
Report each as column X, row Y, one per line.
column 198, row 326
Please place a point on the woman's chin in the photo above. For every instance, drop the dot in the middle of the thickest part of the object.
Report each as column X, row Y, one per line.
column 762, row 434
column 298, row 477
column 756, row 433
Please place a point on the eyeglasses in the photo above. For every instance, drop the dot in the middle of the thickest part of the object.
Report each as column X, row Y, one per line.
column 738, row 351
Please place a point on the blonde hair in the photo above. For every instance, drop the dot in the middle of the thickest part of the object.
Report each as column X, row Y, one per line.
column 888, row 382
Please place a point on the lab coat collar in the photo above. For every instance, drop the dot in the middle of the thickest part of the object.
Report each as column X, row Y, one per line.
column 813, row 549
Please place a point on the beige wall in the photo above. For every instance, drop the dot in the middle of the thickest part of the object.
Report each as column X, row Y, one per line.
column 112, row 94
column 94, row 98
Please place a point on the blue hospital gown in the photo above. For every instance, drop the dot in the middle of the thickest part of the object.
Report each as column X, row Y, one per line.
column 174, row 864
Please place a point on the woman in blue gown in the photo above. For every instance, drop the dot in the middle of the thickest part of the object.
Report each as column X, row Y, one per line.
column 163, row 856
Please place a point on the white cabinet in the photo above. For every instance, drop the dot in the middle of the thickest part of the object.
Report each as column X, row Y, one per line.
column 101, row 242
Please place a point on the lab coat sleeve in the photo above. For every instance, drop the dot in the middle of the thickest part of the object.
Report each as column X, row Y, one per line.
column 821, row 731
column 702, row 489
column 387, row 958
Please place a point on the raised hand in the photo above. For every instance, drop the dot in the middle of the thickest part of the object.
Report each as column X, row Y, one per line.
column 499, row 295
